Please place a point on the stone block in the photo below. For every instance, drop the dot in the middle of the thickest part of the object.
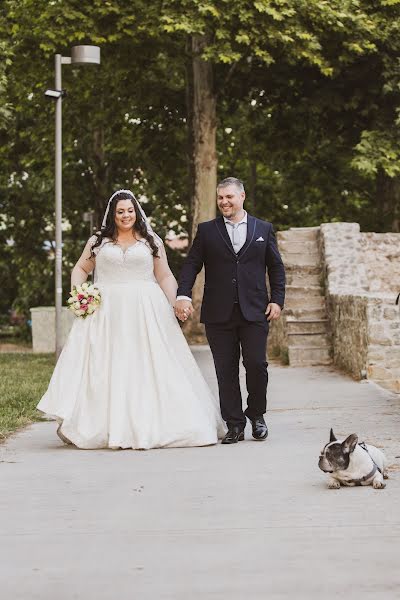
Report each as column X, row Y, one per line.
column 298, row 247
column 303, row 290
column 301, row 356
column 378, row 372
column 307, row 325
column 375, row 356
column 391, row 313
column 306, row 313
column 303, row 278
column 44, row 327
column 309, row 340
column 305, row 302
column 392, row 385
column 378, row 335
column 300, row 260
column 299, row 234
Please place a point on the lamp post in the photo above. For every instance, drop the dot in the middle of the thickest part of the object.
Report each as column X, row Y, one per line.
column 80, row 55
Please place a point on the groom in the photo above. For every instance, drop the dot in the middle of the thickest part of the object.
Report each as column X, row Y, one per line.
column 236, row 250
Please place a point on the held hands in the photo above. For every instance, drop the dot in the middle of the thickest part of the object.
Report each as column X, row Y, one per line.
column 183, row 309
column 273, row 311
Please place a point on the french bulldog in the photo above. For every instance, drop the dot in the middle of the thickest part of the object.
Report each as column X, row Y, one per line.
column 350, row 463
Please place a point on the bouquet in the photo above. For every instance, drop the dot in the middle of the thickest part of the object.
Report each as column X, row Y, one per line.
column 84, row 299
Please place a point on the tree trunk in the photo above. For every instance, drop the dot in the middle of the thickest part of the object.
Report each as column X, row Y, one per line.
column 388, row 202
column 202, row 113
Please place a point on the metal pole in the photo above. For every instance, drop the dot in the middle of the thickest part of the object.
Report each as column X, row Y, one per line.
column 58, row 203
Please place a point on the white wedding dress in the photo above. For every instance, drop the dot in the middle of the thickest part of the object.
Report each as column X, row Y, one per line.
column 126, row 377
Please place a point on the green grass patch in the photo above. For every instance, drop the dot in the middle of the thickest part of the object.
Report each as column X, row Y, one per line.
column 23, row 380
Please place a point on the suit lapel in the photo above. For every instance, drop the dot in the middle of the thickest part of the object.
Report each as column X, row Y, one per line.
column 251, row 229
column 221, row 227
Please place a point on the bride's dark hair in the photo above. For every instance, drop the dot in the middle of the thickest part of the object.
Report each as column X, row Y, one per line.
column 109, row 230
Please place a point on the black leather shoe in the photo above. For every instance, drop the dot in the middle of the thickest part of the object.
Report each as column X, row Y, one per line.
column 235, row 434
column 260, row 429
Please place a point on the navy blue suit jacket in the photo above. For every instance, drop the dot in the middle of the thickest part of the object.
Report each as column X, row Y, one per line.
column 229, row 275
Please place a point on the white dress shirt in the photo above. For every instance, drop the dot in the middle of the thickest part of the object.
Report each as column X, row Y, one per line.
column 237, row 234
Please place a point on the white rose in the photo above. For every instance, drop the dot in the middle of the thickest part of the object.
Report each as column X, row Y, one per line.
column 77, row 305
column 79, row 289
column 90, row 310
column 83, row 301
column 85, row 286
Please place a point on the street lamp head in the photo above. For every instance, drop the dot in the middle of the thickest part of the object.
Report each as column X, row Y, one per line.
column 55, row 94
column 85, row 55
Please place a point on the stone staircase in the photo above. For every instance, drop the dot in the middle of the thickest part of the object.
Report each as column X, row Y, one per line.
column 307, row 325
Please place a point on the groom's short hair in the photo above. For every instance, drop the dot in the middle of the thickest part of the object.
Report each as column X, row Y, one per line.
column 231, row 181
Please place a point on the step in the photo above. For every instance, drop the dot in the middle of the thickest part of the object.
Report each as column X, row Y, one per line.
column 307, row 357
column 301, row 290
column 309, row 340
column 295, row 247
column 307, row 313
column 299, row 234
column 304, row 269
column 307, row 325
column 304, row 301
column 303, row 278
column 301, row 260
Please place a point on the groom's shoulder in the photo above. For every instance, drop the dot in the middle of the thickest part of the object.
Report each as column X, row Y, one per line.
column 263, row 222
column 207, row 224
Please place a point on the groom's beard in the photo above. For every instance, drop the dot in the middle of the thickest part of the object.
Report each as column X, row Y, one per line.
column 230, row 212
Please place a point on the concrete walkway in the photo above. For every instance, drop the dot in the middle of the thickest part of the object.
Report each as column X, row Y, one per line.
column 254, row 520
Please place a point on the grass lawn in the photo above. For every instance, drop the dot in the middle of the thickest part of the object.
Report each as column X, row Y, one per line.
column 23, row 381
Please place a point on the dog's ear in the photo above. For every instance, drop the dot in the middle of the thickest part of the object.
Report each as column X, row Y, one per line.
column 332, row 437
column 350, row 443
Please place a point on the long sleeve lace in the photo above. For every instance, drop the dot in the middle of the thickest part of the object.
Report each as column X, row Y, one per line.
column 84, row 265
column 165, row 277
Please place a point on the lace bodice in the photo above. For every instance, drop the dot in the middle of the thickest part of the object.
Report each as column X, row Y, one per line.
column 115, row 265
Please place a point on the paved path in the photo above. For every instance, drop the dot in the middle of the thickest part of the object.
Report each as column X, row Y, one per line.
column 254, row 520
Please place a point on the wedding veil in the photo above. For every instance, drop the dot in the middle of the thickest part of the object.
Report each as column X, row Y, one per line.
column 150, row 231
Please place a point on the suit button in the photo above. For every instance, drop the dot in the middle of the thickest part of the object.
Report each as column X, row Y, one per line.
column 233, row 280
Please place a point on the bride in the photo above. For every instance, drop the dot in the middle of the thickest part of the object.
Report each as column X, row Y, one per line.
column 126, row 377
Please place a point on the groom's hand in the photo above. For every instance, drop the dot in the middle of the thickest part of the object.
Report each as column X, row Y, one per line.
column 183, row 309
column 273, row 311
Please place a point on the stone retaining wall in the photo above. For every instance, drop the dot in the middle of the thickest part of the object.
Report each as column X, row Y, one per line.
column 381, row 261
column 362, row 282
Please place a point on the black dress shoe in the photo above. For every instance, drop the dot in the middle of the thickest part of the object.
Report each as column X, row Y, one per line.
column 235, row 434
column 260, row 429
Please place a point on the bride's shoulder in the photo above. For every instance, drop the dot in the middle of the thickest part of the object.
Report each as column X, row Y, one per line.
column 93, row 239
column 96, row 242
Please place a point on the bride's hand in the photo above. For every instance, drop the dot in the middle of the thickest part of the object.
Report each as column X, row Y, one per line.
column 183, row 309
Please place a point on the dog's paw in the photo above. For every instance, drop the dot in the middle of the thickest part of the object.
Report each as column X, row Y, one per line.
column 333, row 484
column 378, row 484
column 385, row 474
